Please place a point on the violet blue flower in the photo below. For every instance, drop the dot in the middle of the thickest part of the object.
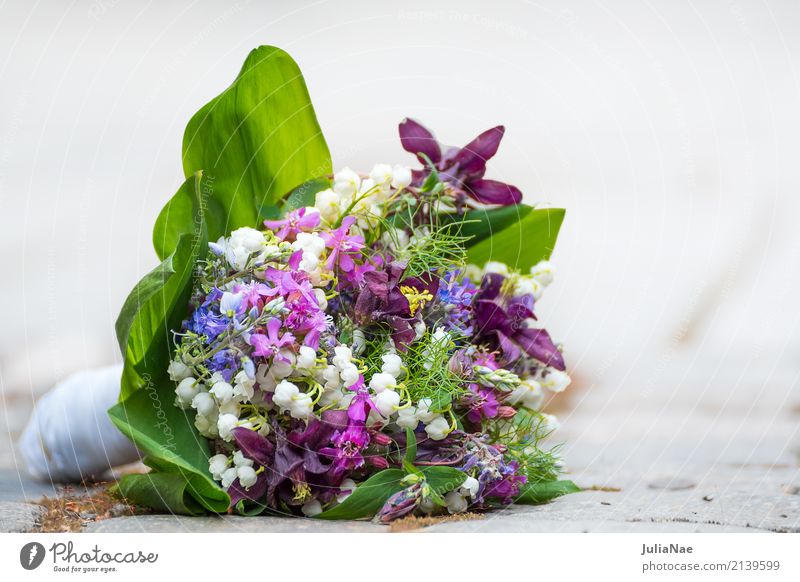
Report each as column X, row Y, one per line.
column 461, row 168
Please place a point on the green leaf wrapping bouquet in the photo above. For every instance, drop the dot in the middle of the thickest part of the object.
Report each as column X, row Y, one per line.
column 337, row 345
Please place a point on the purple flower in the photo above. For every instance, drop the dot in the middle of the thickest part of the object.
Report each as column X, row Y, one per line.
column 401, row 503
column 462, row 168
column 270, row 344
column 308, row 320
column 296, row 221
column 292, row 283
column 347, row 452
column 386, row 296
column 501, row 320
column 344, row 247
column 482, row 404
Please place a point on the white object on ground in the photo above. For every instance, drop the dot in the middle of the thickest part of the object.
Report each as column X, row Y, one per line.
column 69, row 436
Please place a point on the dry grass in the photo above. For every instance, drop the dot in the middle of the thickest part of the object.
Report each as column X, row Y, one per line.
column 412, row 523
column 70, row 513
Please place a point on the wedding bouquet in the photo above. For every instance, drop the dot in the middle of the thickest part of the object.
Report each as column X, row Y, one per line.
column 337, row 345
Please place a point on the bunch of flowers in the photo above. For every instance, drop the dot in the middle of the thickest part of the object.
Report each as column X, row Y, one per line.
column 338, row 345
column 349, row 351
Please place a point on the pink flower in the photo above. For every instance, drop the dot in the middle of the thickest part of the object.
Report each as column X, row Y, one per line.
column 295, row 221
column 343, row 246
column 270, row 344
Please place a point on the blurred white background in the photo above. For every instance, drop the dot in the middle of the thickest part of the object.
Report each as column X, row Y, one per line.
column 670, row 130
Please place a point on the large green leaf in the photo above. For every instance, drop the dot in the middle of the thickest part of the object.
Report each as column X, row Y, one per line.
column 369, row 496
column 544, row 491
column 163, row 491
column 158, row 304
column 258, row 139
column 482, row 224
column 179, row 214
column 443, row 479
column 166, row 435
column 522, row 244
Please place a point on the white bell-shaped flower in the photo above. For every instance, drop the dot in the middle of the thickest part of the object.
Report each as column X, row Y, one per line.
column 229, row 476
column 217, row 465
column 306, row 358
column 346, row 182
column 456, row 503
column 407, row 418
column 382, row 381
column 223, row 392
column 544, row 272
column 387, row 402
column 438, row 428
column 187, row 389
column 401, row 177
column 392, row 364
column 247, row 476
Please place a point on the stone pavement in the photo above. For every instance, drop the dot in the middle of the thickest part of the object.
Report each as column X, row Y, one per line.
column 678, row 460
